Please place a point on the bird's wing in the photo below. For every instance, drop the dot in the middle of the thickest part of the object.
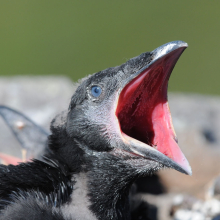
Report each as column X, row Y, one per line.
column 31, row 136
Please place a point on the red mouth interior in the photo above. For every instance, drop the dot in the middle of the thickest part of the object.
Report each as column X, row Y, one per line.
column 143, row 111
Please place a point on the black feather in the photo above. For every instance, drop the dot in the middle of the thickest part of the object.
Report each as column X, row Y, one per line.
column 32, row 205
column 48, row 176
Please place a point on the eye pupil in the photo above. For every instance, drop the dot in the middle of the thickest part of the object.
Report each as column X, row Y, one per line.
column 96, row 91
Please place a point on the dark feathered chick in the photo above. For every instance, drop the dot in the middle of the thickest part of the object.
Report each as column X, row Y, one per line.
column 118, row 128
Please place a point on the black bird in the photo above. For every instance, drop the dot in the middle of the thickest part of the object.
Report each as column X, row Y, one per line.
column 118, row 128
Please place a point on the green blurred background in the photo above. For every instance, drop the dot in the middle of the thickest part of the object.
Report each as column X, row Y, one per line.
column 77, row 38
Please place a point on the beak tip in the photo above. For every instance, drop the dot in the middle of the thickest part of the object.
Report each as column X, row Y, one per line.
column 168, row 47
column 186, row 167
column 182, row 44
column 188, row 170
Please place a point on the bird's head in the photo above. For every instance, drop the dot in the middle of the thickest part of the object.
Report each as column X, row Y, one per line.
column 123, row 111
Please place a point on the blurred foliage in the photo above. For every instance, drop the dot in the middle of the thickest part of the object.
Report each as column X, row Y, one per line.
column 77, row 38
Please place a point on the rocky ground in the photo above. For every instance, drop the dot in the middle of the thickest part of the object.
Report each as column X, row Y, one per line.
column 196, row 119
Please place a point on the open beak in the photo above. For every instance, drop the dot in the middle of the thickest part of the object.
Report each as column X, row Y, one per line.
column 143, row 112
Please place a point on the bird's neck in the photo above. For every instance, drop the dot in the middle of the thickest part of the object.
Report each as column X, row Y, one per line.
column 109, row 182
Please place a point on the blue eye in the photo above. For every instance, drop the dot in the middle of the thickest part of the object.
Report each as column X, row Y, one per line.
column 96, row 91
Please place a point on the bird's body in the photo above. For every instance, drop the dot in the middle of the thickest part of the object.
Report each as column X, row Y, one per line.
column 100, row 146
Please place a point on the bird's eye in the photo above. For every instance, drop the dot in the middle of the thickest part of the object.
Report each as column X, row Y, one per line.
column 96, row 91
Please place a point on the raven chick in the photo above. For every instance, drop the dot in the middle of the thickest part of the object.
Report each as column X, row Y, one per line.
column 118, row 128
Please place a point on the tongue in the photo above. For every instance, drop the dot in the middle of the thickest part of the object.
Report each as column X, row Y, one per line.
column 164, row 138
